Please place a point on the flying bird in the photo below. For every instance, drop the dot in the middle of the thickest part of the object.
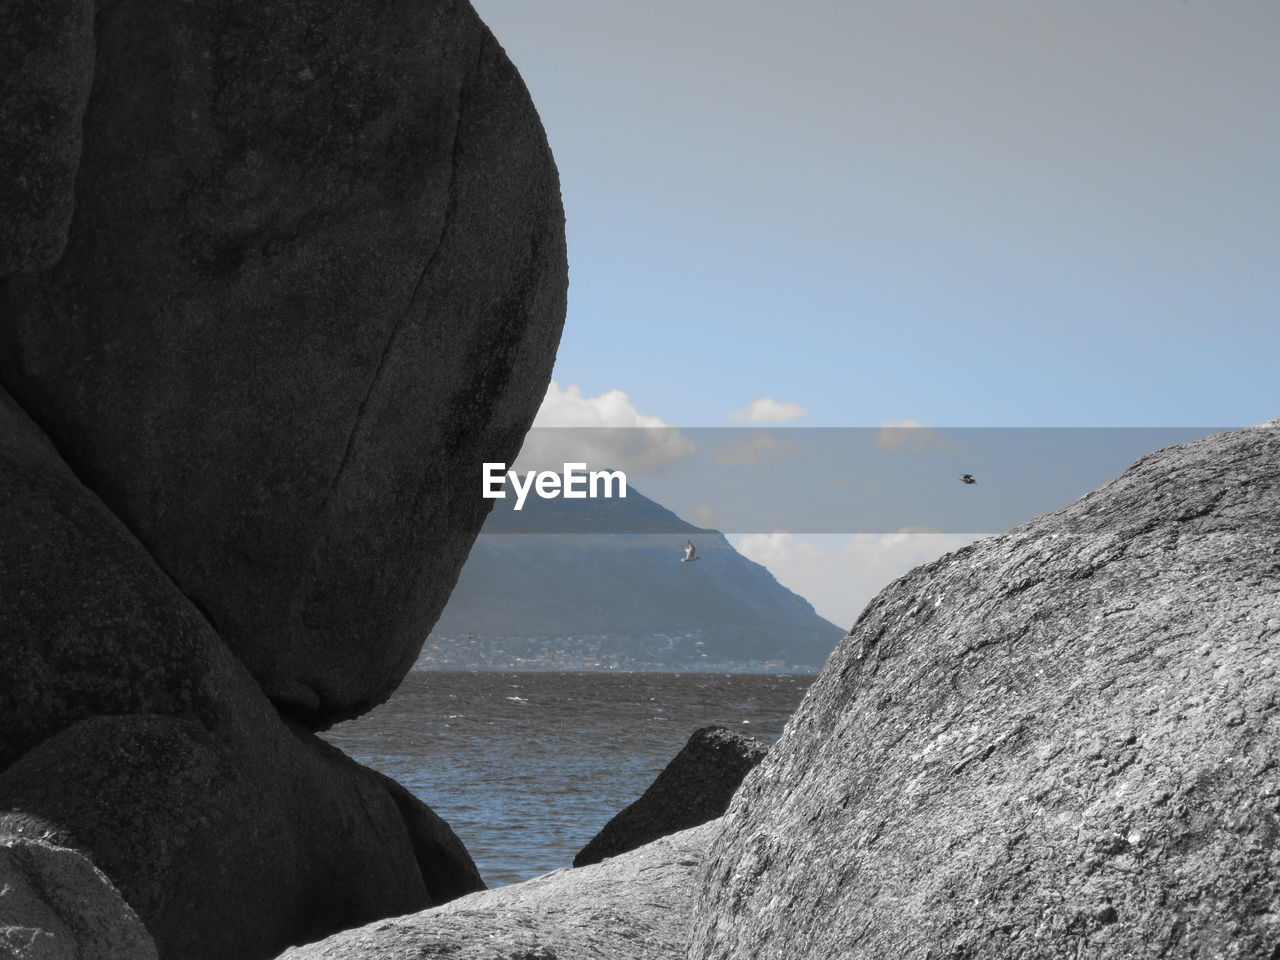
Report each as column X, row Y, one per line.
column 690, row 552
column 967, row 478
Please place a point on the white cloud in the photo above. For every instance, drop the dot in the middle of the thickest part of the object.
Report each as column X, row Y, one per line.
column 840, row 573
column 769, row 410
column 757, row 447
column 569, row 408
column 909, row 435
column 604, row 432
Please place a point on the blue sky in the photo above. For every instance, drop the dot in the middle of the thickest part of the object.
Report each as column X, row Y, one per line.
column 967, row 214
column 988, row 213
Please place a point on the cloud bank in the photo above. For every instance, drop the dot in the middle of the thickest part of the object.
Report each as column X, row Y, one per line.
column 910, row 435
column 604, row 432
column 567, row 407
column 769, row 410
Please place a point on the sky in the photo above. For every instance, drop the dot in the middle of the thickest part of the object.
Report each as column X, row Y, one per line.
column 960, row 214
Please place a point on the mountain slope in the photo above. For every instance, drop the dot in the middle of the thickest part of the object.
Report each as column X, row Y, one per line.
column 601, row 598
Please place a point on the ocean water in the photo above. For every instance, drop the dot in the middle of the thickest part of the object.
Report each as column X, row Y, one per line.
column 527, row 767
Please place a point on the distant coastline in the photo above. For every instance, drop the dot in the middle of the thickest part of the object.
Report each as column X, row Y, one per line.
column 605, row 653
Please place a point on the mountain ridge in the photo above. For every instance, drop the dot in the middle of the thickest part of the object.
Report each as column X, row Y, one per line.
column 555, row 586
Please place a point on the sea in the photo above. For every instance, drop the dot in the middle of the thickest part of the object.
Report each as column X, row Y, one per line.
column 527, row 767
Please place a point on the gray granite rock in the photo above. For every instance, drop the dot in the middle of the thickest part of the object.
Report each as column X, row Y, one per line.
column 46, row 49
column 132, row 734
column 56, row 905
column 631, row 907
column 694, row 788
column 1063, row 741
column 314, row 278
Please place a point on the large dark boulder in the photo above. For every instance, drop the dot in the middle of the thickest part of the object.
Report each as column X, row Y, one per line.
column 696, row 786
column 90, row 625
column 222, row 849
column 133, row 735
column 46, row 67
column 633, row 907
column 1059, row 742
column 315, row 277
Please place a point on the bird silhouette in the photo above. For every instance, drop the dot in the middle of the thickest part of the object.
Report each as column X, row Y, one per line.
column 690, row 552
column 967, row 478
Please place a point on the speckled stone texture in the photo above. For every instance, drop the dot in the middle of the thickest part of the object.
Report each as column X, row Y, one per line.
column 1060, row 742
column 46, row 68
column 694, row 788
column 56, row 905
column 315, row 276
column 129, row 732
column 632, row 907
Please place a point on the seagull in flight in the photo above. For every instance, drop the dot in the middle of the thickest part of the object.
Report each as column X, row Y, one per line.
column 967, row 478
column 690, row 552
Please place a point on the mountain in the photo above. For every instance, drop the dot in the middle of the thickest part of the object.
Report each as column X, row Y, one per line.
column 613, row 594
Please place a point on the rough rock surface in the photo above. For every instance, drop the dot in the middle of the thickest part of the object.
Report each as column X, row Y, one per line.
column 1063, row 741
column 131, row 733
column 695, row 787
column 90, row 625
column 633, row 907
column 315, row 277
column 56, row 905
column 46, row 47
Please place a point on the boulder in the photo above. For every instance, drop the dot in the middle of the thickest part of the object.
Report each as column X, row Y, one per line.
column 447, row 868
column 132, row 734
column 56, row 905
column 315, row 277
column 694, row 788
column 46, row 47
column 1063, row 741
column 91, row 626
column 632, row 907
